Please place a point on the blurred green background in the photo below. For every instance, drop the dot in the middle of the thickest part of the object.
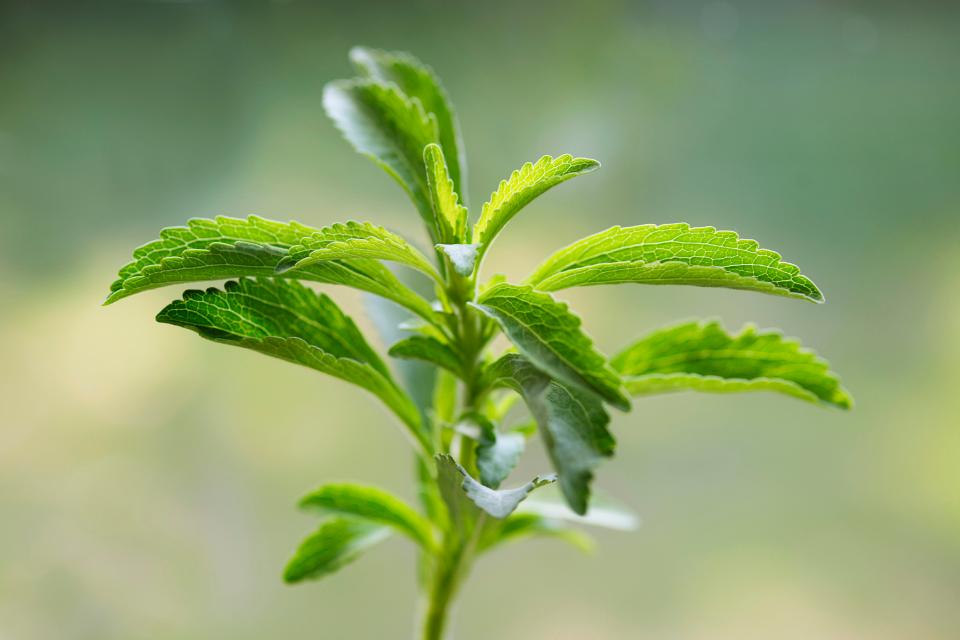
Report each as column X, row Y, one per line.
column 148, row 478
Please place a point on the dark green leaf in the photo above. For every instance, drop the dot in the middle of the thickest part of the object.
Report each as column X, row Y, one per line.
column 549, row 334
column 428, row 349
column 572, row 423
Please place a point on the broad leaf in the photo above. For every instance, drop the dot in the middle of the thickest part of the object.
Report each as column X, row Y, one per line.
column 287, row 320
column 702, row 356
column 224, row 248
column 572, row 423
column 428, row 349
column 673, row 254
column 375, row 505
column 355, row 240
column 336, row 543
column 384, row 124
column 418, row 81
column 519, row 526
column 525, row 184
column 549, row 334
column 450, row 216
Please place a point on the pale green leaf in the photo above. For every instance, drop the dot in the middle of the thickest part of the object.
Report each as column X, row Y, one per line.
column 372, row 504
column 463, row 257
column 224, row 248
column 450, row 216
column 673, row 254
column 702, row 356
column 336, row 543
column 428, row 349
column 603, row 512
column 521, row 525
column 549, row 334
column 418, row 81
column 384, row 124
column 572, row 423
column 463, row 513
column 352, row 240
column 498, row 504
column 287, row 320
column 497, row 452
column 525, row 184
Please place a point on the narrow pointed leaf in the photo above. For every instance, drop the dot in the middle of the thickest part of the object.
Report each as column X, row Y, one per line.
column 673, row 254
column 418, row 81
column 525, row 184
column 224, row 248
column 604, row 511
column 549, row 334
column 287, row 320
column 572, row 423
column 428, row 349
column 522, row 525
column 450, row 216
column 702, row 356
column 372, row 504
column 336, row 543
column 352, row 240
column 384, row 124
column 463, row 513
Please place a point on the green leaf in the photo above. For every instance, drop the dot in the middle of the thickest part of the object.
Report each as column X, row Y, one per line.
column 549, row 334
column 384, row 124
column 462, row 511
column 519, row 526
column 418, row 81
column 497, row 452
column 225, row 248
column 287, row 320
column 572, row 423
column 521, row 188
column 375, row 505
column 702, row 356
column 498, row 504
column 673, row 254
column 335, row 544
column 449, row 215
column 355, row 240
column 463, row 257
column 428, row 349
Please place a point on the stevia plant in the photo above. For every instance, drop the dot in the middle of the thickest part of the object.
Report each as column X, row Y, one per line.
column 454, row 403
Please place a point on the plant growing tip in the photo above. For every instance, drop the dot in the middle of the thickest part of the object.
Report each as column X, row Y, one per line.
column 398, row 114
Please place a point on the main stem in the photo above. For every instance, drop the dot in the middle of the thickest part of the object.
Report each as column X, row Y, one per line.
column 449, row 567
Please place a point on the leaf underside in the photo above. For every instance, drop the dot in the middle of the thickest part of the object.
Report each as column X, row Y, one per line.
column 572, row 423
column 545, row 331
column 673, row 254
column 702, row 356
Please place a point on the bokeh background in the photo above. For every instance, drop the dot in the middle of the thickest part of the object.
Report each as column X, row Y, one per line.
column 148, row 478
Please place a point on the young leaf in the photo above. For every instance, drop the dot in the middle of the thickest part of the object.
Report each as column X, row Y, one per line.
column 374, row 505
column 702, row 356
column 498, row 504
column 549, row 334
column 463, row 513
column 428, row 349
column 355, row 240
column 673, row 254
column 225, row 248
column 336, row 543
column 497, row 452
column 289, row 321
column 463, row 257
column 525, row 184
column 450, row 216
column 572, row 423
column 384, row 124
column 520, row 525
column 418, row 81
